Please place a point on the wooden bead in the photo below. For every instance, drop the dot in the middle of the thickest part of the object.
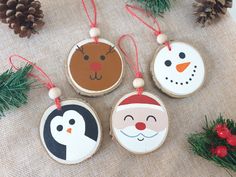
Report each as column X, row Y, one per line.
column 94, row 32
column 138, row 83
column 162, row 38
column 54, row 93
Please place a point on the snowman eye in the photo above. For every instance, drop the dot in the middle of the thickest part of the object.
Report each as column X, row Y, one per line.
column 168, row 63
column 59, row 128
column 71, row 121
column 128, row 116
column 151, row 117
column 182, row 55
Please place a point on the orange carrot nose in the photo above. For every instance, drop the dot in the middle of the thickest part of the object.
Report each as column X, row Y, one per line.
column 181, row 67
column 69, row 130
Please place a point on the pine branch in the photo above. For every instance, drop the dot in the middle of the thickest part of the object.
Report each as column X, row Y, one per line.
column 202, row 143
column 14, row 87
column 156, row 7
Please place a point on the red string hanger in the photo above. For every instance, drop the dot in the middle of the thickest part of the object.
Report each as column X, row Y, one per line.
column 54, row 92
column 161, row 37
column 94, row 30
column 138, row 82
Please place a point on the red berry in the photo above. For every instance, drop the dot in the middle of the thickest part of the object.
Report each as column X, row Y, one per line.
column 223, row 132
column 232, row 140
column 221, row 151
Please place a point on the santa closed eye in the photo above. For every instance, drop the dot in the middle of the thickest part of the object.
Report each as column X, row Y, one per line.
column 140, row 123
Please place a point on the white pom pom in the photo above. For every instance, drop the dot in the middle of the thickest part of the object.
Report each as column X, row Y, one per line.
column 138, row 83
column 54, row 93
column 162, row 38
column 94, row 32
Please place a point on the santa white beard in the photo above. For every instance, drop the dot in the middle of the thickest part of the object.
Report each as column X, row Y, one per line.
column 140, row 142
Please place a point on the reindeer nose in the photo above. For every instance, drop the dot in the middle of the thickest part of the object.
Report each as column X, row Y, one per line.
column 140, row 125
column 182, row 67
column 95, row 66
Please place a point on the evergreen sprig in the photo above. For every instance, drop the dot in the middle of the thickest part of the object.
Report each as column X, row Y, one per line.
column 14, row 87
column 156, row 7
column 202, row 143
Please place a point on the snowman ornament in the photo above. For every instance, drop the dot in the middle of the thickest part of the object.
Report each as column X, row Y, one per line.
column 178, row 71
column 139, row 120
column 177, row 67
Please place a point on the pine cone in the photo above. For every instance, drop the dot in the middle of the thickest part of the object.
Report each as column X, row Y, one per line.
column 209, row 10
column 23, row 16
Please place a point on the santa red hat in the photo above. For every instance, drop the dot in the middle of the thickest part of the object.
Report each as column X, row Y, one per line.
column 139, row 101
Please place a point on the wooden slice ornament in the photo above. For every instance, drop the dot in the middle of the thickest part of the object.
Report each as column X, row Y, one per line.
column 94, row 66
column 177, row 68
column 139, row 121
column 73, row 133
column 70, row 130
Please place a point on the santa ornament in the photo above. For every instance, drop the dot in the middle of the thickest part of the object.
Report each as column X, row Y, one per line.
column 94, row 66
column 70, row 129
column 139, row 121
column 177, row 68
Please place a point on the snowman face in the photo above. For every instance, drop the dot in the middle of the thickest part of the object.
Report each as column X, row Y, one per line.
column 140, row 128
column 67, row 128
column 179, row 72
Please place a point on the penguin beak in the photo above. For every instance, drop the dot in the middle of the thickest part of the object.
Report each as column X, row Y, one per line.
column 69, row 130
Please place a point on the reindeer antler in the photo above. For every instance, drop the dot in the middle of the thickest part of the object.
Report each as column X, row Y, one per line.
column 111, row 49
column 81, row 49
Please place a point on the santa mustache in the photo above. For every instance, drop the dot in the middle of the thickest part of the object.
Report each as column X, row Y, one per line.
column 132, row 132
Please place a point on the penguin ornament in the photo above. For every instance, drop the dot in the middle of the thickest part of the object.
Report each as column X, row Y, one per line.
column 72, row 133
column 139, row 121
column 70, row 129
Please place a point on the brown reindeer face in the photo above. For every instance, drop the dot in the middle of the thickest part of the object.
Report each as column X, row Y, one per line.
column 96, row 66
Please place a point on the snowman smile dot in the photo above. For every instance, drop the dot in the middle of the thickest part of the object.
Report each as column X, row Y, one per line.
column 195, row 66
column 166, row 78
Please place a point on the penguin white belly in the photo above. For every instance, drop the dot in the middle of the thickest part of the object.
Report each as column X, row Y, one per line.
column 79, row 149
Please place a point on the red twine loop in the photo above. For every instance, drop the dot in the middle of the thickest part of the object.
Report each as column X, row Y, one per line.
column 157, row 31
column 47, row 82
column 93, row 23
column 134, row 65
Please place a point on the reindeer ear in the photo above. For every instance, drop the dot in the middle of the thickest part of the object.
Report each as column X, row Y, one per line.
column 80, row 49
column 111, row 49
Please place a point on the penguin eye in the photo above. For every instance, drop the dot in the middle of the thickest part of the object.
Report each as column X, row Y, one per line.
column 128, row 117
column 151, row 117
column 71, row 121
column 168, row 63
column 59, row 128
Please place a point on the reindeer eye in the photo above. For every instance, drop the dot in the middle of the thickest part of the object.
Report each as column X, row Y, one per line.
column 86, row 57
column 102, row 57
column 151, row 117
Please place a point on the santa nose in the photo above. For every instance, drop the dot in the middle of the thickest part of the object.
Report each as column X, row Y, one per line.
column 182, row 67
column 140, row 125
column 69, row 130
column 95, row 66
